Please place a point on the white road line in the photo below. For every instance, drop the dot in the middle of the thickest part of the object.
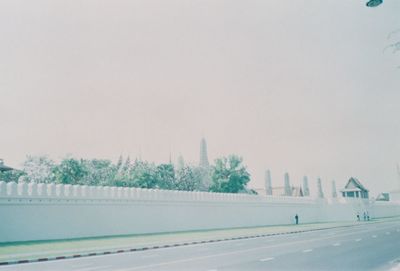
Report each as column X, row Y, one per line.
column 336, row 244
column 238, row 244
column 307, row 250
column 266, row 259
column 388, row 232
column 81, row 265
column 149, row 256
column 102, row 267
column 329, row 234
column 212, row 270
column 221, row 254
column 374, row 236
column 89, row 268
column 358, row 240
column 157, row 265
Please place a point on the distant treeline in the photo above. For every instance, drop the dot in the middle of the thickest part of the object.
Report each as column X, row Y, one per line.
column 226, row 175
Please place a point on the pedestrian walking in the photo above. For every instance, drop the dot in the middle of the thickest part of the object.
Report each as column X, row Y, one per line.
column 296, row 218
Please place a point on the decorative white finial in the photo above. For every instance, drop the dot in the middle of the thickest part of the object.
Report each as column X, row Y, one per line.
column 268, row 183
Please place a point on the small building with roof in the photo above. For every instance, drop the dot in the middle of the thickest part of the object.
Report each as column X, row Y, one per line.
column 383, row 197
column 354, row 189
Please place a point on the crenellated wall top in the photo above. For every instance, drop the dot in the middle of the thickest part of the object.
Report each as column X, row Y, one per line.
column 66, row 191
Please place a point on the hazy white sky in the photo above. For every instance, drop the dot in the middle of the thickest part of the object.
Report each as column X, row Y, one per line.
column 292, row 85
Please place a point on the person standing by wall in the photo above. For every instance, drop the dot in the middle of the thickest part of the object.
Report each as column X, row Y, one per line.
column 296, row 218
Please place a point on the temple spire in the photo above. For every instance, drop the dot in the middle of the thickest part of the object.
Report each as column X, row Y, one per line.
column 306, row 189
column 268, row 183
column 288, row 189
column 334, row 193
column 319, row 186
column 203, row 154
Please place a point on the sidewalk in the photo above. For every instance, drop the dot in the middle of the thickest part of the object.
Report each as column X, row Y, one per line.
column 20, row 252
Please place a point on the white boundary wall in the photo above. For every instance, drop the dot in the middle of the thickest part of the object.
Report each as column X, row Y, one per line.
column 54, row 211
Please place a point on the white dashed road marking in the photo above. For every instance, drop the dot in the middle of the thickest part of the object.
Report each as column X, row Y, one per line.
column 159, row 266
column 388, row 232
column 266, row 259
column 374, row 236
column 307, row 250
column 90, row 268
column 358, row 240
column 238, row 244
column 149, row 256
column 80, row 265
column 336, row 244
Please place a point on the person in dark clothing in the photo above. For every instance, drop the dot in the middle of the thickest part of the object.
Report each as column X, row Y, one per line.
column 296, row 217
column 358, row 217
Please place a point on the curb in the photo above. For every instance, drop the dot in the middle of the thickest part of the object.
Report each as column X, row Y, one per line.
column 45, row 259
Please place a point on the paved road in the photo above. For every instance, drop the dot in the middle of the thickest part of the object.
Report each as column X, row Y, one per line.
column 369, row 246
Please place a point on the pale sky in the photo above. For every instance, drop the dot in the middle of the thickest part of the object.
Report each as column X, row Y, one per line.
column 292, row 85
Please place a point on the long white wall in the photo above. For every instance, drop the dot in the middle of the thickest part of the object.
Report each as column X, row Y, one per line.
column 50, row 211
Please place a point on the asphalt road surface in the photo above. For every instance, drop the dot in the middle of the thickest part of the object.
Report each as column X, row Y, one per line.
column 369, row 246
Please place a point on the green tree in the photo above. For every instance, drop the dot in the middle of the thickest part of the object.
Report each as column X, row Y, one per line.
column 98, row 172
column 229, row 175
column 39, row 169
column 11, row 175
column 119, row 163
column 204, row 176
column 166, row 176
column 122, row 176
column 143, row 175
column 70, row 171
column 188, row 179
column 127, row 166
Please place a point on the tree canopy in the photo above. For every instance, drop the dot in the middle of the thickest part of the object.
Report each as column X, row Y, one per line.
column 229, row 175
